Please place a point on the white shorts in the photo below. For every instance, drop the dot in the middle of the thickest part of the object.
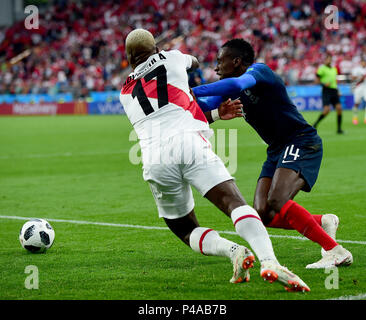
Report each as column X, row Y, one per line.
column 359, row 93
column 188, row 160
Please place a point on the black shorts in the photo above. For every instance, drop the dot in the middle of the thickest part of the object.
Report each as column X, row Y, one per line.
column 330, row 96
column 302, row 154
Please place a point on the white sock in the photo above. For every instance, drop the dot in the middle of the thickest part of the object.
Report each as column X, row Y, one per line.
column 355, row 111
column 249, row 226
column 208, row 242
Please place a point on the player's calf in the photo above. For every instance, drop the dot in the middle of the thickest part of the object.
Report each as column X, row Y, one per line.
column 226, row 196
column 183, row 227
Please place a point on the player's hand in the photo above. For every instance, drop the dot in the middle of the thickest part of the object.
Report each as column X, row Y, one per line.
column 230, row 109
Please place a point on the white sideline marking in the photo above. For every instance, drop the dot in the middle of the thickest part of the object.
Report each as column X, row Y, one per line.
column 87, row 222
column 358, row 297
column 119, row 225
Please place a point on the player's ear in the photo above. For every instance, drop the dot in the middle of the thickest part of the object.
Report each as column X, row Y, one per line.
column 237, row 62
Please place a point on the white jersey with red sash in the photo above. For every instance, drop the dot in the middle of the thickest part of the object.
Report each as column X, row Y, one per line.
column 157, row 99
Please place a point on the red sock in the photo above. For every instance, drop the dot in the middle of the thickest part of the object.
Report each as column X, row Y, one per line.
column 318, row 218
column 280, row 222
column 302, row 221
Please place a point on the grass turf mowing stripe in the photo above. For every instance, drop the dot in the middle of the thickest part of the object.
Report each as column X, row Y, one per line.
column 64, row 154
column 158, row 228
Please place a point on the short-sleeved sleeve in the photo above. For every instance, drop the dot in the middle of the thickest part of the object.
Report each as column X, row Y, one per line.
column 182, row 58
column 320, row 71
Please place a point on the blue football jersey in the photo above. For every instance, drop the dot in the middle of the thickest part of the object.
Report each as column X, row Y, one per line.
column 269, row 110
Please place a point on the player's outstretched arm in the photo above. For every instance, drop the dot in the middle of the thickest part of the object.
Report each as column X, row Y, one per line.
column 226, row 87
column 208, row 103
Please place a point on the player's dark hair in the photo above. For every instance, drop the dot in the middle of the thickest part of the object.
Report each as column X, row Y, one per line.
column 242, row 49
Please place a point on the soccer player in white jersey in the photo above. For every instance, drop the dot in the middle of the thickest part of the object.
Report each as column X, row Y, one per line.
column 173, row 134
column 359, row 93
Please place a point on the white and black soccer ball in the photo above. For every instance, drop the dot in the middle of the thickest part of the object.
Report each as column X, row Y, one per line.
column 36, row 235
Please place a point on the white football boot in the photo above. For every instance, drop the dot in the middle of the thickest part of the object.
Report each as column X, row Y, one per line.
column 243, row 260
column 336, row 257
column 273, row 272
column 330, row 224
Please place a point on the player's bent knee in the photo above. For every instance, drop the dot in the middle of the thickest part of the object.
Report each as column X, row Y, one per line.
column 276, row 202
column 265, row 213
column 261, row 209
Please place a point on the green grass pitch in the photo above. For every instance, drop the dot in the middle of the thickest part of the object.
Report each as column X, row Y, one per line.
column 77, row 168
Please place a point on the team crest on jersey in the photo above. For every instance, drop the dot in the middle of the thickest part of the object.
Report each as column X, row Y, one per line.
column 253, row 98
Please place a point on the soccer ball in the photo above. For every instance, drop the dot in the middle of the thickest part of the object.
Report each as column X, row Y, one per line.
column 36, row 235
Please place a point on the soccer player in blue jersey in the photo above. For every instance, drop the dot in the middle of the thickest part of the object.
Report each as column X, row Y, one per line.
column 294, row 150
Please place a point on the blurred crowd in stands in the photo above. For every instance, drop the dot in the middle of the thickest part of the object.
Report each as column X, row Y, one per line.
column 79, row 46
